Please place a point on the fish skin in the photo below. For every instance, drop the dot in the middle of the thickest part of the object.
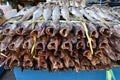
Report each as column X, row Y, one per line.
column 40, row 29
column 16, row 43
column 4, row 44
column 56, row 13
column 83, row 12
column 28, row 44
column 13, row 63
column 28, row 14
column 65, row 29
column 76, row 12
column 56, row 42
column 91, row 29
column 52, row 26
column 47, row 12
column 79, row 30
column 91, row 12
column 65, row 13
column 37, row 14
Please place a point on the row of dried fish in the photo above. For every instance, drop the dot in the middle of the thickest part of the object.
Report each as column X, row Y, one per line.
column 64, row 60
column 61, row 28
column 55, row 12
column 61, row 38
column 60, row 53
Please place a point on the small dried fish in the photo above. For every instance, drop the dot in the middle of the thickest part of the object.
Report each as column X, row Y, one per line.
column 47, row 12
column 56, row 13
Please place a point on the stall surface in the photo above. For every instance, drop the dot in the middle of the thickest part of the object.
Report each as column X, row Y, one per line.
column 1, row 69
column 69, row 75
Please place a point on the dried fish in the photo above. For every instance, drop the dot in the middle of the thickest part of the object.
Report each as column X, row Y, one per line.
column 47, row 12
column 56, row 13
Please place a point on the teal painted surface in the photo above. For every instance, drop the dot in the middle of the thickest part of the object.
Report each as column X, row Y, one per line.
column 70, row 75
column 1, row 69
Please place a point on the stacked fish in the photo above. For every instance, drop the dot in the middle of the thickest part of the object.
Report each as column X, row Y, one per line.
column 62, row 37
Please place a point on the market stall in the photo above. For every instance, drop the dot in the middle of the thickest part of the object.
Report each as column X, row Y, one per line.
column 62, row 39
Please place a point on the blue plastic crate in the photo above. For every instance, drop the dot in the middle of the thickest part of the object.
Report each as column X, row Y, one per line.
column 70, row 75
column 1, row 69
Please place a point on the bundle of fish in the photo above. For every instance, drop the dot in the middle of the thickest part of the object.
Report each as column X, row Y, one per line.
column 61, row 37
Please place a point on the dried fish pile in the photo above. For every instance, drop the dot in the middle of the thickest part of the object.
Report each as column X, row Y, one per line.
column 56, row 38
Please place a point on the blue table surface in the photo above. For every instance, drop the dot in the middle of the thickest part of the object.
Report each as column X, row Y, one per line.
column 70, row 75
column 1, row 69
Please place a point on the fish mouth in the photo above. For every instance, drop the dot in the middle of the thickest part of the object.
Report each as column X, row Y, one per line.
column 64, row 32
column 94, row 34
column 79, row 33
column 103, row 45
column 11, row 47
column 6, row 31
column 51, row 45
column 80, row 45
column 50, row 31
column 15, row 62
column 39, row 46
column 19, row 31
column 26, row 45
column 34, row 33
